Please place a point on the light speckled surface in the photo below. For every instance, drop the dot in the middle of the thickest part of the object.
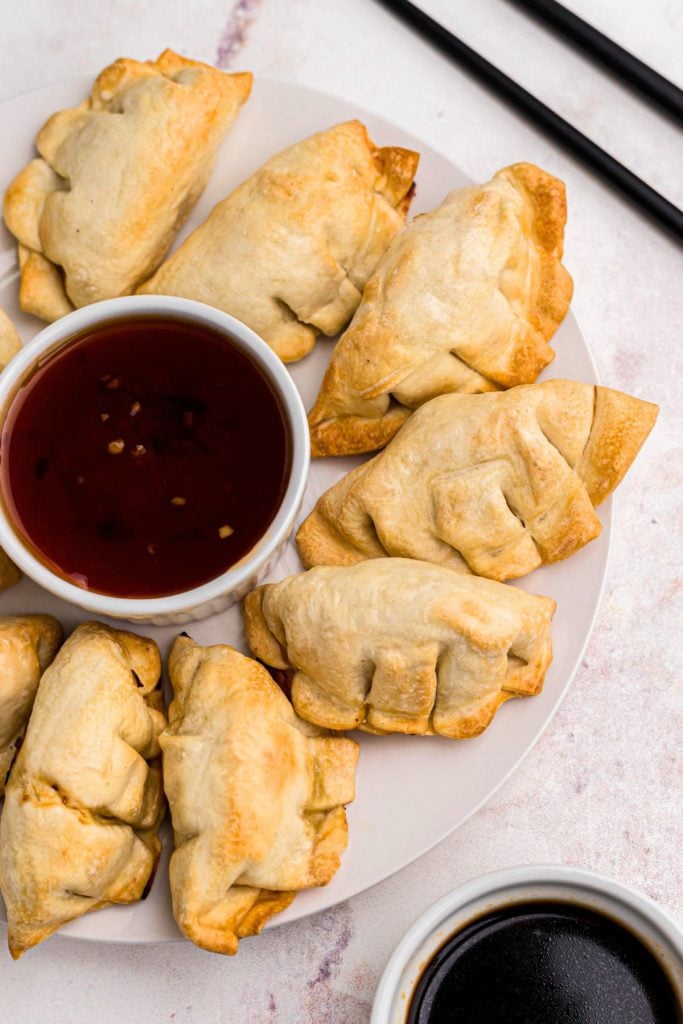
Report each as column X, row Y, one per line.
column 603, row 786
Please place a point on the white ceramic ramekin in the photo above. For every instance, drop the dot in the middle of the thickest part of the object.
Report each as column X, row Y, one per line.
column 502, row 889
column 232, row 585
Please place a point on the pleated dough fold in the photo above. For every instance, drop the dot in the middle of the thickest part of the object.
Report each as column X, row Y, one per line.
column 465, row 299
column 495, row 484
column 397, row 645
column 84, row 799
column 256, row 796
column 289, row 252
column 116, row 178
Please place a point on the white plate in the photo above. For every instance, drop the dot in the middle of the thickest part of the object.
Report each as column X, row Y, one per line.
column 411, row 792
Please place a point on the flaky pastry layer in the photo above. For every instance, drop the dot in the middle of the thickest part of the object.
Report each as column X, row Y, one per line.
column 256, row 795
column 494, row 484
column 466, row 299
column 84, row 799
column 116, row 178
column 399, row 645
column 290, row 250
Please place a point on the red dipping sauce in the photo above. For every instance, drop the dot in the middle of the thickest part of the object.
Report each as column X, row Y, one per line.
column 145, row 457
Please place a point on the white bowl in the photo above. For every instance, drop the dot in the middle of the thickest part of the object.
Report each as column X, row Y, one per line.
column 230, row 586
column 656, row 930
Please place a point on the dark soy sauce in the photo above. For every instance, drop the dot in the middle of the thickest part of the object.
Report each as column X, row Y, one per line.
column 544, row 963
column 145, row 458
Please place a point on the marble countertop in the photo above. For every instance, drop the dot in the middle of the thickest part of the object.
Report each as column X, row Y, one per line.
column 602, row 787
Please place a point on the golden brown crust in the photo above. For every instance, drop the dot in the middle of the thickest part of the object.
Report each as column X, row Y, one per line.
column 84, row 800
column 9, row 573
column 319, row 543
column 288, row 252
column 269, row 649
column 465, row 300
column 398, row 167
column 24, row 202
column 257, row 813
column 620, row 425
column 365, row 657
column 10, row 342
column 494, row 484
column 41, row 287
column 117, row 177
column 355, row 435
column 549, row 199
column 28, row 643
column 256, row 911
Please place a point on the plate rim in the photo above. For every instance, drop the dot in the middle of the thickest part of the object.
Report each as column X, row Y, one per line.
column 607, row 530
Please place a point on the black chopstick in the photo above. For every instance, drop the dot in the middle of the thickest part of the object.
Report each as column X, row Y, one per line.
column 629, row 69
column 638, row 192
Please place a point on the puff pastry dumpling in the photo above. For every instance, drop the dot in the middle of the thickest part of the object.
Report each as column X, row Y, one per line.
column 10, row 342
column 84, row 799
column 397, row 645
column 28, row 643
column 466, row 299
column 116, row 178
column 495, row 484
column 290, row 250
column 256, row 796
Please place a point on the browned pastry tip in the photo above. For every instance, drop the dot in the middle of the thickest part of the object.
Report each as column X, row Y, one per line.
column 354, row 435
column 620, row 427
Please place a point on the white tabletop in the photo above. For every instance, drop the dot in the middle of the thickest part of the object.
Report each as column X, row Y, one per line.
column 599, row 789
